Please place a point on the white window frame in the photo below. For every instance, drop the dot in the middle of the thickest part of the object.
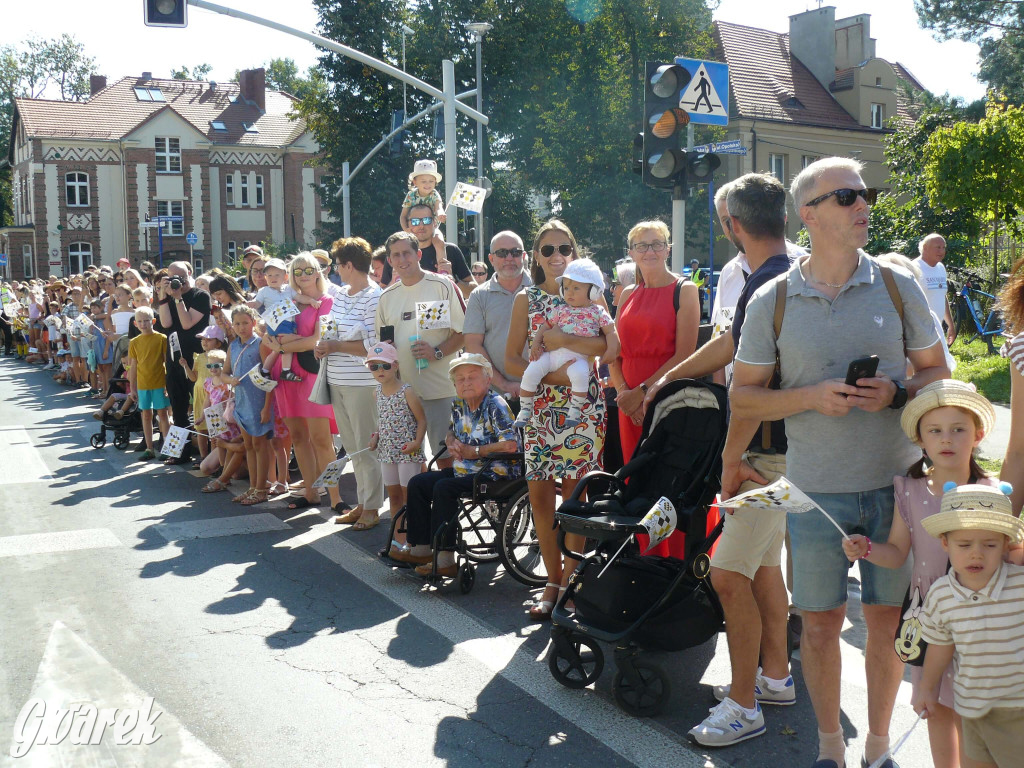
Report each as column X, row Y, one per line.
column 259, row 191
column 172, row 208
column 197, row 265
column 245, row 244
column 806, row 160
column 229, row 189
column 243, row 191
column 232, row 251
column 777, row 166
column 168, row 154
column 877, row 115
column 81, row 253
column 27, row 265
column 76, row 189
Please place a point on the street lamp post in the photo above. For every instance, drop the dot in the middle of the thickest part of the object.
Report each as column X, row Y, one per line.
column 478, row 29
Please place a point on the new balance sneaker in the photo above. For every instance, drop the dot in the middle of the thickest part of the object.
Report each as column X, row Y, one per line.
column 727, row 724
column 765, row 691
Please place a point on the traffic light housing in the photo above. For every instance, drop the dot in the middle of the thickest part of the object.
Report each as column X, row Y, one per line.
column 663, row 162
column 700, row 166
column 166, row 13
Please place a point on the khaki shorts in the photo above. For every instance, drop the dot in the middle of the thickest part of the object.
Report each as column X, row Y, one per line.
column 995, row 737
column 752, row 538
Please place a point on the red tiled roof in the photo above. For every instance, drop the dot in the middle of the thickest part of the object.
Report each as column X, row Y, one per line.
column 115, row 112
column 767, row 82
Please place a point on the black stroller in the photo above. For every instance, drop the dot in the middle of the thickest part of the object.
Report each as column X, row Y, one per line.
column 644, row 602
column 123, row 428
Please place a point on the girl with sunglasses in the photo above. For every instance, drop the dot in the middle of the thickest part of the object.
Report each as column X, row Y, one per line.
column 227, row 446
column 211, row 338
column 401, row 425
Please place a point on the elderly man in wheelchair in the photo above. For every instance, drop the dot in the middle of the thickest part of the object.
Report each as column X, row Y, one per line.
column 481, row 427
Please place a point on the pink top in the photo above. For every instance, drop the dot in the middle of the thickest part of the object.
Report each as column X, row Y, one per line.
column 291, row 398
column 585, row 322
column 218, row 394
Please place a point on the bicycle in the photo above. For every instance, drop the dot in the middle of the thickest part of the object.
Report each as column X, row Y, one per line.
column 974, row 311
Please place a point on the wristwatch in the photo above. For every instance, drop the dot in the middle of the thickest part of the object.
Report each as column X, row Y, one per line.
column 643, row 387
column 438, row 354
column 899, row 399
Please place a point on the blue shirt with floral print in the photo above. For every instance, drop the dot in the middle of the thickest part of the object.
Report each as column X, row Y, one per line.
column 490, row 423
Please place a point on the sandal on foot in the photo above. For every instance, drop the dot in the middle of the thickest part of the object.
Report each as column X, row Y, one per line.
column 364, row 524
column 301, row 502
column 213, row 486
column 243, row 496
column 278, row 489
column 541, row 610
column 290, row 376
column 256, row 497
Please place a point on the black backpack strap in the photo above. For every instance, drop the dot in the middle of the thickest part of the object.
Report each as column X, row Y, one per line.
column 781, row 284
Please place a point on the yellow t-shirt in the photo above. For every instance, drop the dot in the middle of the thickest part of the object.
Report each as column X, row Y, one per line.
column 149, row 351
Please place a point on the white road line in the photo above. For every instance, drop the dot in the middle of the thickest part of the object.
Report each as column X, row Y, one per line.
column 221, row 526
column 57, row 541
column 20, row 456
column 640, row 742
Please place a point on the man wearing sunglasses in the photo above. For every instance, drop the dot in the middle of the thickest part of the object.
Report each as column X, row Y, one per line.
column 489, row 309
column 845, row 443
column 422, row 224
column 427, row 337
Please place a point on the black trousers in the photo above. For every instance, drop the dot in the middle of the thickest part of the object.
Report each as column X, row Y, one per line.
column 433, row 499
column 179, row 391
column 5, row 329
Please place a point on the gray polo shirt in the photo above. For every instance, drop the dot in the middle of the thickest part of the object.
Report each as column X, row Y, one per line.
column 860, row 451
column 489, row 311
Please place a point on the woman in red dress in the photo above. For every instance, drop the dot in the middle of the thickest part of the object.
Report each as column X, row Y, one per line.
column 655, row 335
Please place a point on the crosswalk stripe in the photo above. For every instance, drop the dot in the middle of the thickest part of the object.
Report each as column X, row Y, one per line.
column 57, row 541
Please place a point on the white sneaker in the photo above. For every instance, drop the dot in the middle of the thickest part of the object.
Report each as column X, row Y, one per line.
column 765, row 692
column 728, row 724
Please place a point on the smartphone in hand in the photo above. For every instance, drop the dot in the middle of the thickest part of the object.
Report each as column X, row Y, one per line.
column 862, row 368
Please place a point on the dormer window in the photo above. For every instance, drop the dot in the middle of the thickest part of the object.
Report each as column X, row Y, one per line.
column 878, row 115
column 149, row 94
column 250, row 128
column 218, row 125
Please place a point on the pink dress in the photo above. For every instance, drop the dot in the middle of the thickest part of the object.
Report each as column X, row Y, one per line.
column 215, row 395
column 914, row 502
column 292, row 397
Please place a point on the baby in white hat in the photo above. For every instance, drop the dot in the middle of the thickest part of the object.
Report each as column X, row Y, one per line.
column 423, row 183
column 581, row 285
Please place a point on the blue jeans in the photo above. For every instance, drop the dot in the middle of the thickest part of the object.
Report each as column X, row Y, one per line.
column 820, row 567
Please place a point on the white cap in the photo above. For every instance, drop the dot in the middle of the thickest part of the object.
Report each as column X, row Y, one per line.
column 583, row 271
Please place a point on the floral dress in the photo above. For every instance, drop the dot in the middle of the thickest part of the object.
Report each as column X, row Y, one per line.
column 552, row 451
column 397, row 426
column 215, row 395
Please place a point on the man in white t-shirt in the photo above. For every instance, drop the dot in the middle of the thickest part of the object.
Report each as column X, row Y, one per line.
column 934, row 282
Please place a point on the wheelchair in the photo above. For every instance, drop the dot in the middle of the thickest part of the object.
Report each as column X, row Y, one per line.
column 494, row 523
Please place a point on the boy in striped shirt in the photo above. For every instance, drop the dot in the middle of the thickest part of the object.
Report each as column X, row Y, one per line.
column 975, row 614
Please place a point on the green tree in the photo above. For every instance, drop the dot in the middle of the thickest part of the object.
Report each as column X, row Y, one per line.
column 57, row 67
column 283, row 75
column 978, row 168
column 198, row 72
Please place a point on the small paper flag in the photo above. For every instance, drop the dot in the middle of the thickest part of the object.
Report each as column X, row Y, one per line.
column 468, row 197
column 781, row 495
column 174, row 442
column 214, row 417
column 660, row 521
column 174, row 343
column 433, row 314
column 331, row 475
column 280, row 313
column 328, row 329
column 261, row 381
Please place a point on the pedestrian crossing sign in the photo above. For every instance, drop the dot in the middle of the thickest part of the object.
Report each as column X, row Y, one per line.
column 706, row 97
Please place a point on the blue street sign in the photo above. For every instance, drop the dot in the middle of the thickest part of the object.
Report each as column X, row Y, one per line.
column 191, row 238
column 722, row 146
column 700, row 148
column 706, row 97
column 731, row 151
column 3, row 259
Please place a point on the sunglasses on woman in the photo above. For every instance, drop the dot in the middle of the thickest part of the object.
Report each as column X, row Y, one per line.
column 214, row 366
column 847, row 197
column 480, row 274
column 380, row 366
column 307, row 271
column 565, row 249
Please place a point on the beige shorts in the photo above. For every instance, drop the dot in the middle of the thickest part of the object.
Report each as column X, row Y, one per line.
column 995, row 737
column 752, row 538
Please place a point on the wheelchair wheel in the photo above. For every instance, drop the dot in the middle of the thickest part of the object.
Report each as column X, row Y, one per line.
column 643, row 693
column 519, row 550
column 479, row 539
column 467, row 578
column 576, row 660
column 97, row 440
column 121, row 440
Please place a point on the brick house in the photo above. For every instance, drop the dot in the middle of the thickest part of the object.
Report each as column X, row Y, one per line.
column 227, row 158
column 817, row 91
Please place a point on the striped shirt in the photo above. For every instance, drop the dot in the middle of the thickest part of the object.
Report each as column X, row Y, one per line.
column 1014, row 349
column 987, row 628
column 354, row 317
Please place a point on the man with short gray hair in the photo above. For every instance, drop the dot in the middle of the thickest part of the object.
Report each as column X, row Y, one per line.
column 844, row 440
column 932, row 250
column 489, row 310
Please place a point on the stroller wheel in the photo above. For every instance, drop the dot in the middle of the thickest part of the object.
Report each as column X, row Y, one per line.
column 642, row 690
column 97, row 440
column 467, row 578
column 120, row 440
column 576, row 660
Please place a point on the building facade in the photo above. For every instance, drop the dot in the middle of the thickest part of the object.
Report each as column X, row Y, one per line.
column 144, row 162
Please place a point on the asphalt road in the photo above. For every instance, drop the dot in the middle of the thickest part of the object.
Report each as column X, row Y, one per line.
column 274, row 638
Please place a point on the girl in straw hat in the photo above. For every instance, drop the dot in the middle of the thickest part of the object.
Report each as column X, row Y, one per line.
column 947, row 419
column 973, row 614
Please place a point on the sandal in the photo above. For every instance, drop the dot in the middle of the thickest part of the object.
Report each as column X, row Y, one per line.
column 278, row 489
column 213, row 486
column 365, row 525
column 243, row 496
column 290, row 376
column 347, row 515
column 256, row 497
column 301, row 502
column 541, row 610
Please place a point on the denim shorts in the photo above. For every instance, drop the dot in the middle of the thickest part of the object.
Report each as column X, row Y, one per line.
column 820, row 567
column 79, row 347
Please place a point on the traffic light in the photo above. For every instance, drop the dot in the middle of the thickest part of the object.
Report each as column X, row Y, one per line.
column 166, row 13
column 663, row 162
column 700, row 166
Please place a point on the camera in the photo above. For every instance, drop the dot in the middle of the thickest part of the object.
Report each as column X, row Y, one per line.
column 175, row 283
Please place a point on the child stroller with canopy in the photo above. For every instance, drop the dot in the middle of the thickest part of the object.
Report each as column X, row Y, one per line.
column 622, row 597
